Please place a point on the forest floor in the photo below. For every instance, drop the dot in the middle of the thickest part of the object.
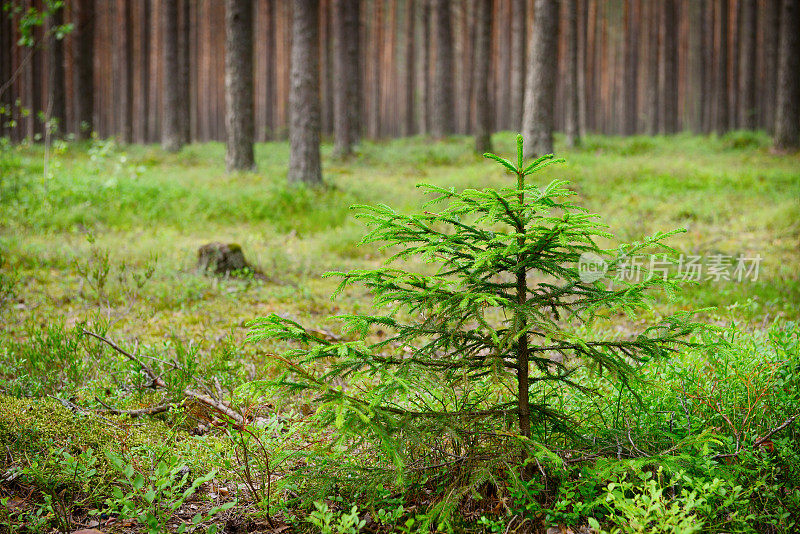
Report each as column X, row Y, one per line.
column 103, row 238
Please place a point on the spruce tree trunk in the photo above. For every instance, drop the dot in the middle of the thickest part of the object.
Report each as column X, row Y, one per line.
column 304, row 106
column 787, row 115
column 442, row 123
column 346, row 74
column 571, row 82
column 83, row 52
column 523, row 356
column 170, row 64
column 747, row 66
column 56, row 98
column 483, row 52
column 239, row 85
column 540, row 89
column 518, row 53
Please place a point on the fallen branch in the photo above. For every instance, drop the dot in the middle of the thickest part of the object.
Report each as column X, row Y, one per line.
column 157, row 381
column 760, row 441
column 216, row 405
column 152, row 410
column 775, row 430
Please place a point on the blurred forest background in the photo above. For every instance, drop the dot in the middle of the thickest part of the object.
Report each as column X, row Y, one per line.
column 640, row 66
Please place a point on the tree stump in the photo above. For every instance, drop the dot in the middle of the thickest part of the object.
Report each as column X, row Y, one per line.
column 221, row 259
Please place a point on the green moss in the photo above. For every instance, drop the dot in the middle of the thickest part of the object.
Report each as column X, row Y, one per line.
column 35, row 425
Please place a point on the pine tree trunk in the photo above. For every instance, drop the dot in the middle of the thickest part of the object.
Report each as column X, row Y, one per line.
column 787, row 116
column 345, row 79
column 425, row 67
column 270, row 78
column 723, row 114
column 747, row 66
column 34, row 88
column 541, row 84
column 771, row 38
column 123, row 59
column 409, row 123
column 6, row 47
column 170, row 64
column 705, row 57
column 571, row 81
column 83, row 52
column 442, row 123
column 670, row 66
column 520, row 60
column 631, row 44
column 483, row 52
column 56, row 98
column 304, row 106
column 239, row 125
column 185, row 72
column 144, row 70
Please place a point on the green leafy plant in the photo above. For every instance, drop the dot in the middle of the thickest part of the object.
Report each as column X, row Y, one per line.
column 649, row 508
column 504, row 313
column 330, row 522
column 153, row 498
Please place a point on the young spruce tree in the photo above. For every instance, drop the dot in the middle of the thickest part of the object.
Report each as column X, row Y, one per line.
column 505, row 311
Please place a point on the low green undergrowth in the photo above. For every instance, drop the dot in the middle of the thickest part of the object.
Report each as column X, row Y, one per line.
column 107, row 241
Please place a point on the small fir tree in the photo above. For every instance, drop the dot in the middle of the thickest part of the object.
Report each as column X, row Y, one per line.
column 505, row 312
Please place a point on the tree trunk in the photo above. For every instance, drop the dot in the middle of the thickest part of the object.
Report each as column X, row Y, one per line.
column 519, row 17
column 83, row 57
column 723, row 114
column 631, row 44
column 747, row 66
column 170, row 64
column 771, row 37
column 425, row 67
column 409, row 124
column 56, row 98
column 185, row 72
column 6, row 47
column 442, row 123
column 787, row 116
column 34, row 86
column 345, row 80
column 144, row 72
column 123, row 59
column 239, row 85
column 571, row 81
column 270, row 78
column 537, row 122
column 304, row 106
column 483, row 52
column 670, row 66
